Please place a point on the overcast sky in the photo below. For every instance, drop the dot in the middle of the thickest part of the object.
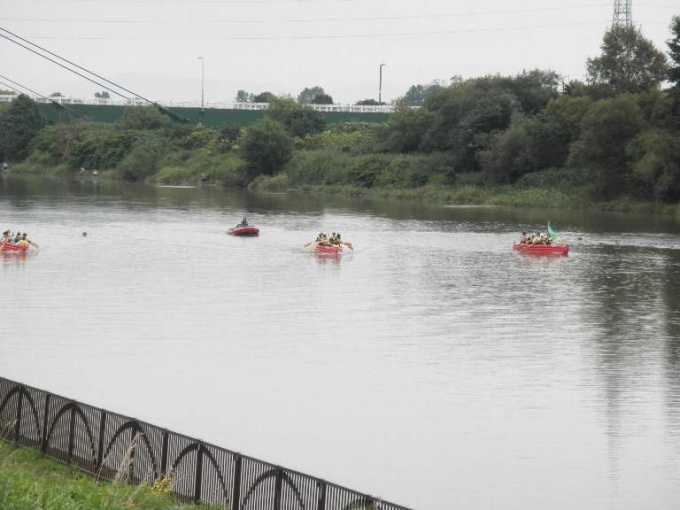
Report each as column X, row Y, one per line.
column 152, row 47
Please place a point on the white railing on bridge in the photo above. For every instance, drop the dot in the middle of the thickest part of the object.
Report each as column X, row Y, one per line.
column 5, row 98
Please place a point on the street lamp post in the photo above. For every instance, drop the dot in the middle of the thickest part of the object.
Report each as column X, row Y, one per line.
column 202, row 88
column 380, row 86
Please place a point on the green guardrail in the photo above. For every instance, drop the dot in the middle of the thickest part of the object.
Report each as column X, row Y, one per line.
column 209, row 117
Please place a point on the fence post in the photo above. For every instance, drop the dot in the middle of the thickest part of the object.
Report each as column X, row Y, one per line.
column 71, row 432
column 164, row 453
column 135, row 443
column 17, row 423
column 100, row 443
column 199, row 473
column 277, row 488
column 43, row 439
column 236, row 503
column 321, row 503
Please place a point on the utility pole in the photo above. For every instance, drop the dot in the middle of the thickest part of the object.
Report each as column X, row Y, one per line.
column 623, row 15
column 380, row 86
column 202, row 89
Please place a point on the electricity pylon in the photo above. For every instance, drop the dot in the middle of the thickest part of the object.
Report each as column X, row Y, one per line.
column 623, row 15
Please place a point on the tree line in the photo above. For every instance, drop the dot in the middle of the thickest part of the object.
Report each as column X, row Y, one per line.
column 617, row 134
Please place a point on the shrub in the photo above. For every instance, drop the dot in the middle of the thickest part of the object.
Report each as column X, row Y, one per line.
column 266, row 147
column 318, row 168
column 143, row 117
column 144, row 159
column 19, row 123
column 365, row 170
column 279, row 182
column 225, row 169
column 100, row 147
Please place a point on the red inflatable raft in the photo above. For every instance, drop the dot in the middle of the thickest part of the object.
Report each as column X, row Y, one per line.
column 333, row 250
column 9, row 247
column 547, row 249
column 247, row 230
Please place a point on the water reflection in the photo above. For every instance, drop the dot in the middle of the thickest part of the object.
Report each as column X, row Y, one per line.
column 546, row 255
column 13, row 259
column 671, row 311
column 324, row 259
column 631, row 312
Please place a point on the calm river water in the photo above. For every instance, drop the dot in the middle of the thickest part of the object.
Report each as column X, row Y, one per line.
column 433, row 366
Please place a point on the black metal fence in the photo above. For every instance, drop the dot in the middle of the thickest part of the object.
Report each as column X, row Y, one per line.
column 111, row 446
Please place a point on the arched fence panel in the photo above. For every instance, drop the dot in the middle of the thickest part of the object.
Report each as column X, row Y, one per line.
column 182, row 465
column 300, row 492
column 218, row 474
column 129, row 449
column 57, row 433
column 258, row 484
column 115, row 447
column 83, row 436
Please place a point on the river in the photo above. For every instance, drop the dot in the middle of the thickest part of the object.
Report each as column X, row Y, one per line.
column 431, row 366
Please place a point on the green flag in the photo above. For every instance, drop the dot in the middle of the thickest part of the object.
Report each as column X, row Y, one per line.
column 551, row 233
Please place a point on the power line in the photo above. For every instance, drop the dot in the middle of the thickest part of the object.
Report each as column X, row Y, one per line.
column 327, row 36
column 324, row 19
column 160, row 108
column 221, row 2
column 59, row 105
column 55, row 62
column 10, row 87
column 21, row 86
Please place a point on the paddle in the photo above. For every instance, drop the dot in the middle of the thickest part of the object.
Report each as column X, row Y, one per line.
column 35, row 245
column 349, row 245
column 307, row 244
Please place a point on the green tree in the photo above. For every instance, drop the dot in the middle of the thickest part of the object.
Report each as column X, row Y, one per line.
column 307, row 95
column 656, row 164
column 535, row 142
column 415, row 95
column 657, row 108
column 551, row 132
column 607, row 128
column 367, row 102
column 19, row 124
column 674, row 68
column 266, row 147
column 244, row 97
column 548, row 143
column 568, row 112
column 406, row 129
column 299, row 120
column 322, row 99
column 533, row 89
column 629, row 63
column 264, row 97
column 507, row 156
column 102, row 95
column 464, row 113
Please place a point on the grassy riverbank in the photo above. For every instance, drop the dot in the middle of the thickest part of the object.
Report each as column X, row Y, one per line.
column 549, row 190
column 29, row 481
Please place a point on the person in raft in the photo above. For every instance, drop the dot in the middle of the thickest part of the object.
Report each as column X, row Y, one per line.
column 535, row 238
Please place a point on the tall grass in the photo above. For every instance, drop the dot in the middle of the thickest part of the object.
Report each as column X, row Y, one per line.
column 183, row 167
column 29, row 482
